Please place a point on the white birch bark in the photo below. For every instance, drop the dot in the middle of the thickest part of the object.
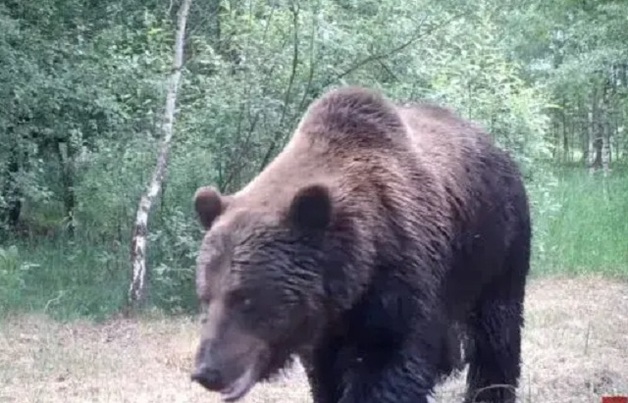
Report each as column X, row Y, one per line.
column 140, row 229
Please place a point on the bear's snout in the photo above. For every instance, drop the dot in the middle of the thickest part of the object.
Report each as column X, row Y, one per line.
column 207, row 372
column 208, row 377
column 229, row 365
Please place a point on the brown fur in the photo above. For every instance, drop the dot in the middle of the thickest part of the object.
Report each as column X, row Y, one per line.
column 404, row 153
column 367, row 194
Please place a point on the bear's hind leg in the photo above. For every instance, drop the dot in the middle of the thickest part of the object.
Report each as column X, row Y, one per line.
column 495, row 367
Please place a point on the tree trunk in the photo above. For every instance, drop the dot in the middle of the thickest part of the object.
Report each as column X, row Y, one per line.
column 619, row 140
column 565, row 139
column 606, row 149
column 591, row 154
column 582, row 124
column 11, row 192
column 67, row 180
column 616, row 133
column 140, row 229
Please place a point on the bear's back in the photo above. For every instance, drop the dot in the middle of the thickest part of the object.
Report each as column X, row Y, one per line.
column 358, row 142
column 354, row 123
column 341, row 133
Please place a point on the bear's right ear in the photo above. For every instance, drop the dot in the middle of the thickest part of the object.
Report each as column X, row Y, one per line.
column 311, row 208
column 209, row 204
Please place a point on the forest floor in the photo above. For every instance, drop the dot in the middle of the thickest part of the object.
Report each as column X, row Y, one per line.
column 575, row 350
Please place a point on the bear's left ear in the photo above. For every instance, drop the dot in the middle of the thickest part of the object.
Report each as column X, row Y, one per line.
column 311, row 208
column 209, row 204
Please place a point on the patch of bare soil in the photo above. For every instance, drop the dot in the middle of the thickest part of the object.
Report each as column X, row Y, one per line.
column 575, row 350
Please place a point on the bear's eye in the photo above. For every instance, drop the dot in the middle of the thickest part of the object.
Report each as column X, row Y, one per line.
column 241, row 300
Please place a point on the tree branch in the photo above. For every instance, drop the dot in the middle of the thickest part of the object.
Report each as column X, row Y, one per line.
column 295, row 64
column 380, row 56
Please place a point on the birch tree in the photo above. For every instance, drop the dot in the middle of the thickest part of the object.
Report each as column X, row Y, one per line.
column 140, row 228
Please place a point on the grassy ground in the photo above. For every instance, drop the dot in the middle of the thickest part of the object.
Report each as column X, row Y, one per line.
column 574, row 351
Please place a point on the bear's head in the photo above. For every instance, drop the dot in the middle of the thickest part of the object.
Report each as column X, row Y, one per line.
column 261, row 280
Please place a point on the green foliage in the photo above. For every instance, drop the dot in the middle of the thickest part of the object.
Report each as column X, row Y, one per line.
column 11, row 276
column 82, row 87
column 63, row 279
column 588, row 234
column 578, row 51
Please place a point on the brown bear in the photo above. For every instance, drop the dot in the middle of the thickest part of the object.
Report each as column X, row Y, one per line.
column 371, row 247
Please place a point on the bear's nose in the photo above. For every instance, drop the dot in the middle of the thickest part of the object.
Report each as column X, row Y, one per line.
column 209, row 378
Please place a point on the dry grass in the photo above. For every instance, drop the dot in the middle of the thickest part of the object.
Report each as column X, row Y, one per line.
column 575, row 350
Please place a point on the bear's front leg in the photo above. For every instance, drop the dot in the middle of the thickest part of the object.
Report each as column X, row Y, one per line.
column 326, row 368
column 407, row 379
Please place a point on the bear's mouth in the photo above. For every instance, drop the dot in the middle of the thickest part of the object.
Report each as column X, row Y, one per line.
column 240, row 387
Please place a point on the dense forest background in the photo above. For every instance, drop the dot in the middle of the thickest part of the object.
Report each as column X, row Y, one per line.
column 82, row 93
